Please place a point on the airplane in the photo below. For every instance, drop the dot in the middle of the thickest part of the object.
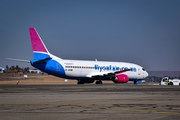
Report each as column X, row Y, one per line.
column 83, row 71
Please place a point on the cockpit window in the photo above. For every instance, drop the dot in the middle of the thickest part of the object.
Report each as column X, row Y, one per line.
column 143, row 69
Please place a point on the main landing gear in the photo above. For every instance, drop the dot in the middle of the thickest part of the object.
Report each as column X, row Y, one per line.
column 89, row 81
column 80, row 82
column 99, row 82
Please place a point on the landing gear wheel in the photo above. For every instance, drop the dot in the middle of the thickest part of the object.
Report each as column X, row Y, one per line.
column 80, row 82
column 170, row 83
column 135, row 82
column 99, row 82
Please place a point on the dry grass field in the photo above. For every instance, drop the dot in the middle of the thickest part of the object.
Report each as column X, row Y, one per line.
column 14, row 78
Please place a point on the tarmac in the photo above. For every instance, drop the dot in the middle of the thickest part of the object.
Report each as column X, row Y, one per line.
column 90, row 101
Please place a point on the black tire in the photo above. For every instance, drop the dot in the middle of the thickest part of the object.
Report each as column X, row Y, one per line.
column 99, row 82
column 170, row 83
column 80, row 82
column 135, row 82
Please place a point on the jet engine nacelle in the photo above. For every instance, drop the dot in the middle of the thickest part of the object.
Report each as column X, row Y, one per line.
column 121, row 78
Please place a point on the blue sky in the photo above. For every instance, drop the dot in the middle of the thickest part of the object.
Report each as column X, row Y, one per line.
column 145, row 32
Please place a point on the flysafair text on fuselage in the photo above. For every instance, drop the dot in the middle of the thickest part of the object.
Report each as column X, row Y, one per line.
column 112, row 68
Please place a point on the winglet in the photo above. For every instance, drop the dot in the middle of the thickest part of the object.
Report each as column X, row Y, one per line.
column 37, row 43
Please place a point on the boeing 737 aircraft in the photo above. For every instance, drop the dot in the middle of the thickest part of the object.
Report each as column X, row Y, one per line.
column 81, row 70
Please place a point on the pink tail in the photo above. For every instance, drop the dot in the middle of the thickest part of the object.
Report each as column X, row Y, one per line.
column 36, row 41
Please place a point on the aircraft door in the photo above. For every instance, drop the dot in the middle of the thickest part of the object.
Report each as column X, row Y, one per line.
column 139, row 71
column 57, row 67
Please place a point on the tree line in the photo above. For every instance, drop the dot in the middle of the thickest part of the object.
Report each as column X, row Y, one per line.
column 16, row 69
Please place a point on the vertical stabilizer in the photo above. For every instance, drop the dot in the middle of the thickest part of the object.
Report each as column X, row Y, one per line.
column 39, row 49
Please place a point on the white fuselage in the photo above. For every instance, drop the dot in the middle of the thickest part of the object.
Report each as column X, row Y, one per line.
column 81, row 68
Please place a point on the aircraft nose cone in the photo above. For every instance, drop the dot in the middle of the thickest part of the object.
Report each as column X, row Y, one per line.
column 146, row 75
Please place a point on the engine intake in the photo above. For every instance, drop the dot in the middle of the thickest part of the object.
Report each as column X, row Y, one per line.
column 121, row 78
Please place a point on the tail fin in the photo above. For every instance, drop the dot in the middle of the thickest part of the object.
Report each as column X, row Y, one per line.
column 39, row 49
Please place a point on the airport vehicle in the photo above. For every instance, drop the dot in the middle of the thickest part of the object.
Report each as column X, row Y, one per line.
column 167, row 81
column 2, row 69
column 81, row 70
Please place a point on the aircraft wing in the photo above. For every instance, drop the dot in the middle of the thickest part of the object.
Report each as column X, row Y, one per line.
column 105, row 73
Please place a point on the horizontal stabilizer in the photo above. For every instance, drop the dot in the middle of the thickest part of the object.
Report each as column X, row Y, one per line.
column 42, row 61
column 20, row 60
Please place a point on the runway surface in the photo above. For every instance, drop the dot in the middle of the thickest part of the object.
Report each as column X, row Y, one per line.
column 88, row 102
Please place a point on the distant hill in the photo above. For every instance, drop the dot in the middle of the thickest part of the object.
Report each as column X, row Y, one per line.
column 164, row 73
